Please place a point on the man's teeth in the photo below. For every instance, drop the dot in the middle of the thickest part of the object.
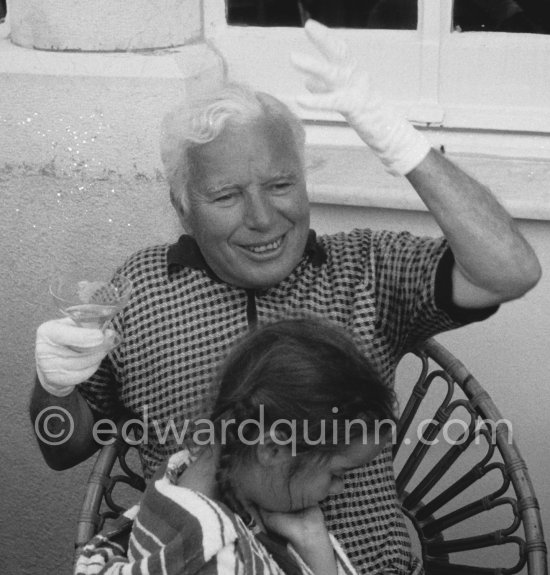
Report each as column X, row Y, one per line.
column 265, row 247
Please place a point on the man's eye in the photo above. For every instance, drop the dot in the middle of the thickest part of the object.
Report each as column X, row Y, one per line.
column 281, row 186
column 226, row 197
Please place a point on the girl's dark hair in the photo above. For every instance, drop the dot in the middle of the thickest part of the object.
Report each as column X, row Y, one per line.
column 305, row 371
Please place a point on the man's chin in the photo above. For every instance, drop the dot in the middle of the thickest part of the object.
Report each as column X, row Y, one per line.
column 258, row 276
column 268, row 279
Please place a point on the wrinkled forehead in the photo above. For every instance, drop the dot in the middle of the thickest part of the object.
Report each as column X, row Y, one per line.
column 277, row 130
column 264, row 146
column 274, row 132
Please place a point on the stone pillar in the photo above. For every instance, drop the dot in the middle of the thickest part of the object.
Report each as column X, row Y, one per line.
column 104, row 25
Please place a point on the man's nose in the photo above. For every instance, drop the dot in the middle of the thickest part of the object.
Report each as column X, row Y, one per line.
column 259, row 210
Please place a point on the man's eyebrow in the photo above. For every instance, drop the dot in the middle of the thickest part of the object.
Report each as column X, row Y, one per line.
column 217, row 188
column 281, row 175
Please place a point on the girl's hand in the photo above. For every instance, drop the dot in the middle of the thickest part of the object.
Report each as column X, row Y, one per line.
column 298, row 527
column 307, row 533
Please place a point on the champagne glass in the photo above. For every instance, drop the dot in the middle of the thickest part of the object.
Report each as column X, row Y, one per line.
column 89, row 301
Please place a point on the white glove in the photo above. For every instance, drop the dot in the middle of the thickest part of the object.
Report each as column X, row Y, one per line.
column 337, row 85
column 67, row 354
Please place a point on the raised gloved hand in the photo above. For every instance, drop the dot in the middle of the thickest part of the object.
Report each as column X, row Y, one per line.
column 337, row 85
column 67, row 354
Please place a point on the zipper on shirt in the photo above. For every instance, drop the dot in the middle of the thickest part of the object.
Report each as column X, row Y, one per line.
column 251, row 311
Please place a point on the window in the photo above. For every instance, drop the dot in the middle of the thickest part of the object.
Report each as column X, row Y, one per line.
column 446, row 71
column 396, row 14
column 528, row 16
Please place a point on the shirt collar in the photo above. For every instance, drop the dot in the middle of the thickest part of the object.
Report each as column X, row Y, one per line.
column 186, row 253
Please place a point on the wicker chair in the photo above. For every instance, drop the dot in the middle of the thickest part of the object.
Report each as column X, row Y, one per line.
column 445, row 493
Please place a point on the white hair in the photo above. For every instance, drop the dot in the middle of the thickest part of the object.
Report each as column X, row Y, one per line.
column 201, row 121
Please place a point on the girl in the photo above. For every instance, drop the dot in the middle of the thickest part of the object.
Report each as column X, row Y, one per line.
column 298, row 406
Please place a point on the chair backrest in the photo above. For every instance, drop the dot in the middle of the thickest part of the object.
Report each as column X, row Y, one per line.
column 449, row 485
column 440, row 508
column 102, row 501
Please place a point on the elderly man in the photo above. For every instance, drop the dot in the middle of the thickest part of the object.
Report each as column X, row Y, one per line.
column 234, row 162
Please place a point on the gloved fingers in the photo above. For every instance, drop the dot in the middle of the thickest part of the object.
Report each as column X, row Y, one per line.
column 332, row 48
column 110, row 340
column 61, row 367
column 67, row 355
column 64, row 332
column 319, row 70
column 316, row 86
column 352, row 84
column 45, row 348
column 328, row 102
column 67, row 358
column 60, row 378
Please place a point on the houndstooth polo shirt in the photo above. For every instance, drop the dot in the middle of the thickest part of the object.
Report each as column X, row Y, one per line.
column 390, row 290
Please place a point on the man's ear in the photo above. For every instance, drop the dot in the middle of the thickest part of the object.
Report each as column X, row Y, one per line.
column 185, row 220
column 272, row 453
column 183, row 214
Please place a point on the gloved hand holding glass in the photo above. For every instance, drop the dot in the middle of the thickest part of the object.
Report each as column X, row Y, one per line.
column 69, row 350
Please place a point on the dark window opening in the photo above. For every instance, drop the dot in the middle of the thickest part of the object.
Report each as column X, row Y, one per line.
column 394, row 14
column 529, row 16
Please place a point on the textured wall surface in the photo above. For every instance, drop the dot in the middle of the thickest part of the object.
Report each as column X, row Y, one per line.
column 54, row 213
column 99, row 224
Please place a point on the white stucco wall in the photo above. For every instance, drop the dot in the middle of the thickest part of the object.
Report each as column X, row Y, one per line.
column 104, row 25
column 80, row 179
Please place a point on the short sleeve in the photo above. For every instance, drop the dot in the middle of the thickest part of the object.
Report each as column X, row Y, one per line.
column 444, row 294
column 413, row 282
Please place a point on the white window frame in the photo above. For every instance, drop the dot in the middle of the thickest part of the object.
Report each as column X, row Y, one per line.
column 463, row 81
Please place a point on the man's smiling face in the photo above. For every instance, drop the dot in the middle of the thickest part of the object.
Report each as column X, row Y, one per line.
column 248, row 205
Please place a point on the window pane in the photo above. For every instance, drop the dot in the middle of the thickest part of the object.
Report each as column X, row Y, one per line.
column 529, row 16
column 390, row 14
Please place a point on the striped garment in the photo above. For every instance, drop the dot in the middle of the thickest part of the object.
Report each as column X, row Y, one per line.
column 177, row 531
